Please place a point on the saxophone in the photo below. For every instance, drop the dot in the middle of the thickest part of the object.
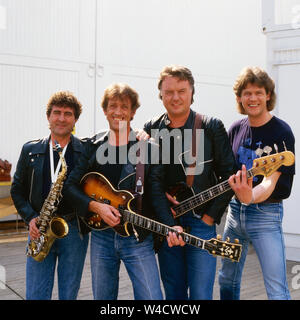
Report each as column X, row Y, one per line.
column 49, row 225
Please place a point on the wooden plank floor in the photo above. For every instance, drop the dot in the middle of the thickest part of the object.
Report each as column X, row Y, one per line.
column 12, row 276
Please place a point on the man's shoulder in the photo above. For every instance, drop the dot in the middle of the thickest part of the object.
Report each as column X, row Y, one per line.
column 210, row 122
column 154, row 123
column 35, row 143
column 281, row 124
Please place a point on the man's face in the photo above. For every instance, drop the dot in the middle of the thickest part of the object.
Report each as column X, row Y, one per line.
column 176, row 96
column 61, row 120
column 254, row 101
column 119, row 113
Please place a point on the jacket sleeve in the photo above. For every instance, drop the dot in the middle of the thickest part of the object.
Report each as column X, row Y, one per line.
column 21, row 188
column 72, row 189
column 224, row 167
column 156, row 186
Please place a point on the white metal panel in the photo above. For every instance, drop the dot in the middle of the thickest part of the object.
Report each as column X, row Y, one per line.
column 135, row 39
column 59, row 29
column 25, row 90
column 288, row 110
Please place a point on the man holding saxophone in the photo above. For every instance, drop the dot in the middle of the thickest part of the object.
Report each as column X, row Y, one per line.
column 36, row 192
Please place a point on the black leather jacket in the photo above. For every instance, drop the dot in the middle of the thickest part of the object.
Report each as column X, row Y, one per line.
column 153, row 191
column 27, row 185
column 218, row 161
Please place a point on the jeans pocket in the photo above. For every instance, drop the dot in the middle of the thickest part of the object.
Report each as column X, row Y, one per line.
column 270, row 210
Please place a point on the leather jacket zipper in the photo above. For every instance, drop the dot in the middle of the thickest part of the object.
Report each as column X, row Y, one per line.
column 31, row 184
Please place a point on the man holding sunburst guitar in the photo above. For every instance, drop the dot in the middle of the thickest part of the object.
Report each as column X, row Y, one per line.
column 113, row 173
column 256, row 213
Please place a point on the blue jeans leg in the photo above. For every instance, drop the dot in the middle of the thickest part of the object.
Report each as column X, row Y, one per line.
column 188, row 272
column 69, row 255
column 107, row 251
column 260, row 224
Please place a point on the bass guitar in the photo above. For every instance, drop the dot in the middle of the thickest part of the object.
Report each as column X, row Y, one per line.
column 261, row 166
column 100, row 189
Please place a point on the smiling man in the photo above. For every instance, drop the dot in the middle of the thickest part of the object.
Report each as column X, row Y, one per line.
column 107, row 153
column 256, row 213
column 187, row 272
column 37, row 169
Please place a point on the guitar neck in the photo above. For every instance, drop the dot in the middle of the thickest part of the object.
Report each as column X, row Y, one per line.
column 204, row 196
column 161, row 228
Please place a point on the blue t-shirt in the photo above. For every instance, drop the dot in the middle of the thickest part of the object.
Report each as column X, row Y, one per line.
column 249, row 143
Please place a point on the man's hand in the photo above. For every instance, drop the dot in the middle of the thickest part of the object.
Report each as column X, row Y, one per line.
column 173, row 239
column 109, row 214
column 142, row 135
column 242, row 186
column 34, row 232
column 208, row 220
column 173, row 201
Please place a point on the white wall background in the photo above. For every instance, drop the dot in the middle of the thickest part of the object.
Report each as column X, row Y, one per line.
column 84, row 45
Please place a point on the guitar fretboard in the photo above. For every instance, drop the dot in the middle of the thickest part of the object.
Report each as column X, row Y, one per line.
column 161, row 228
column 202, row 197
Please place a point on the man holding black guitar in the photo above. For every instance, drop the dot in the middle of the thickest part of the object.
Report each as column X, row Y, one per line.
column 187, row 272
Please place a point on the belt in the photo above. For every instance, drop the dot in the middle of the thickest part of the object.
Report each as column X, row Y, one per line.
column 271, row 200
column 68, row 217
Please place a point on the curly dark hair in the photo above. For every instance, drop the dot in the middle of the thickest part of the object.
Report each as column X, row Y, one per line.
column 64, row 98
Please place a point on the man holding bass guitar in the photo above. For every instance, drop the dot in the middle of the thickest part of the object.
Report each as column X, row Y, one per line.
column 115, row 162
column 187, row 272
column 256, row 215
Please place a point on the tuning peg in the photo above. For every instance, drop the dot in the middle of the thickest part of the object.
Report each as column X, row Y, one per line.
column 227, row 239
column 219, row 237
column 276, row 147
column 284, row 146
column 236, row 241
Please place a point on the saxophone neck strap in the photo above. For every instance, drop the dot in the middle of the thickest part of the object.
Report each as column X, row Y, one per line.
column 54, row 174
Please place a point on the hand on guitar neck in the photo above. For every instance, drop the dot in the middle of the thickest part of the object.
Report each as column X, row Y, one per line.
column 205, row 218
column 109, row 214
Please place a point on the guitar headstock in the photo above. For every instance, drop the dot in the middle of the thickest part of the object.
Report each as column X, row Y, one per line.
column 269, row 164
column 224, row 249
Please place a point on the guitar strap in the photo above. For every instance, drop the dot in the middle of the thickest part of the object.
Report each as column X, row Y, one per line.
column 140, row 175
column 197, row 125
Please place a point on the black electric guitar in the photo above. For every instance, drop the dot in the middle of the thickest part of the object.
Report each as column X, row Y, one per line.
column 99, row 188
column 261, row 166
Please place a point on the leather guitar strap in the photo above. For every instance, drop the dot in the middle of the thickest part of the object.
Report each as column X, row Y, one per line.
column 139, row 175
column 197, row 125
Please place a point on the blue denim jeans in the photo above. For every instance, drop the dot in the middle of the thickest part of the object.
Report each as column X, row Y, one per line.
column 188, row 272
column 107, row 250
column 262, row 225
column 69, row 254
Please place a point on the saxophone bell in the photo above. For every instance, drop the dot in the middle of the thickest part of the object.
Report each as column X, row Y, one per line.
column 59, row 227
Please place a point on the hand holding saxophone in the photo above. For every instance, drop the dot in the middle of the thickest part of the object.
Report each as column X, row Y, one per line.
column 34, row 232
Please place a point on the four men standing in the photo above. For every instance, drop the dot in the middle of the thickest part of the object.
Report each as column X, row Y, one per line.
column 186, row 272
